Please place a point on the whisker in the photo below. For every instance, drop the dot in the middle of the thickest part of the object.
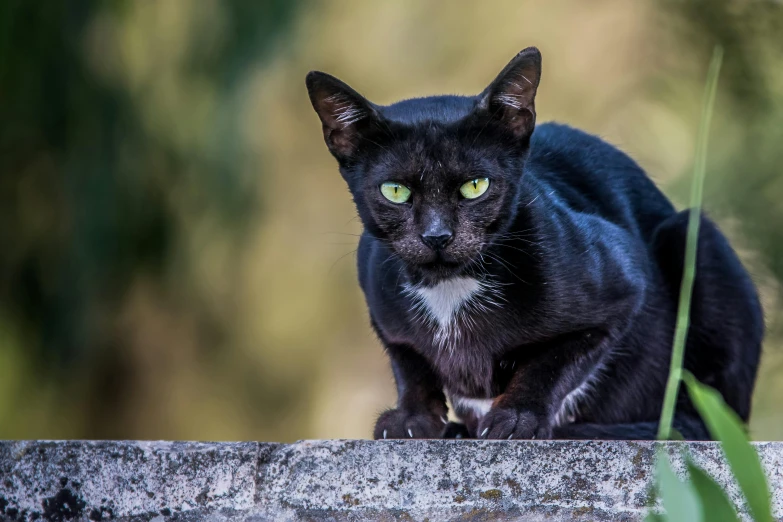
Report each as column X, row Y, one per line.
column 506, row 266
column 343, row 234
column 527, row 253
column 506, row 239
column 352, row 219
column 340, row 258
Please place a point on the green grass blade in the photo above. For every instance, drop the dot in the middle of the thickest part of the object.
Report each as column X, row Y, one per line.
column 680, row 500
column 686, row 286
column 727, row 427
column 717, row 506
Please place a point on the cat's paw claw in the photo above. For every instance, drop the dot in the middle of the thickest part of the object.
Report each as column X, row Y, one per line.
column 402, row 424
column 509, row 423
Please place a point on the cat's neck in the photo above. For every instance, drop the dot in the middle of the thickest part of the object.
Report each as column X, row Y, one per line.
column 520, row 254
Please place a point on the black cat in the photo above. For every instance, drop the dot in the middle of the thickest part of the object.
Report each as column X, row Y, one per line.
column 529, row 273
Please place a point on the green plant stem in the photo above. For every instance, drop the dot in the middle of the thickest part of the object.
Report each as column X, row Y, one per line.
column 689, row 270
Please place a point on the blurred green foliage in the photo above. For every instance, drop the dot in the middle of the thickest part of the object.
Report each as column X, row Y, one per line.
column 175, row 241
column 108, row 130
column 700, row 497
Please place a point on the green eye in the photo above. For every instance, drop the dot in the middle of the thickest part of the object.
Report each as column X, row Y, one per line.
column 395, row 192
column 474, row 188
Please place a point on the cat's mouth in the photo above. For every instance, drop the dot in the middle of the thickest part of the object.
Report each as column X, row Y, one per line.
column 435, row 267
column 437, row 271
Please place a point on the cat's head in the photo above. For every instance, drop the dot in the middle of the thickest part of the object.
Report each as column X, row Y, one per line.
column 437, row 179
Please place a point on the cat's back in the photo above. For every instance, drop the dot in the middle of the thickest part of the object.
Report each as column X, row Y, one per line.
column 594, row 177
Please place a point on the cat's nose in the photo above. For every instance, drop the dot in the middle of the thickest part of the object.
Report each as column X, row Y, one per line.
column 437, row 239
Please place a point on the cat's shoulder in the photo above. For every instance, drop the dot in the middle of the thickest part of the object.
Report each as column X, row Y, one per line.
column 562, row 147
column 553, row 136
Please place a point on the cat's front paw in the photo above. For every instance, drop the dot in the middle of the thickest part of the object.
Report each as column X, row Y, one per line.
column 512, row 423
column 402, row 424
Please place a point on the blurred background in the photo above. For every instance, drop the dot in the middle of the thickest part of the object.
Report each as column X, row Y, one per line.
column 177, row 247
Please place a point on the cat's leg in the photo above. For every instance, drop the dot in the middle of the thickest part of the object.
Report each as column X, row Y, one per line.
column 421, row 405
column 528, row 407
column 599, row 290
column 690, row 427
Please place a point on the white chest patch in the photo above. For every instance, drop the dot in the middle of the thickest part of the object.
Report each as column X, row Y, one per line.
column 443, row 301
column 445, row 305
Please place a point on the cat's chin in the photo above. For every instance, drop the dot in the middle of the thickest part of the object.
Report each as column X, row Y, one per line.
column 431, row 274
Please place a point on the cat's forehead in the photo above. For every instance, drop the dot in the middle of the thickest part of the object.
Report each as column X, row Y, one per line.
column 427, row 151
column 423, row 140
column 438, row 109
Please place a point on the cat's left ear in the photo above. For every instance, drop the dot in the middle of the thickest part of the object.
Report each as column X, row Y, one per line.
column 510, row 98
column 345, row 114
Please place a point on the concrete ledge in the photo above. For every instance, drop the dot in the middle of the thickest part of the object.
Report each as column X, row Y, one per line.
column 343, row 480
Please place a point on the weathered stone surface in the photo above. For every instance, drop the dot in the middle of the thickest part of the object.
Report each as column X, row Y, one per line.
column 94, row 480
column 344, row 480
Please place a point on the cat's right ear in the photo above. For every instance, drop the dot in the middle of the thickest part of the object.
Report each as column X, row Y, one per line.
column 345, row 114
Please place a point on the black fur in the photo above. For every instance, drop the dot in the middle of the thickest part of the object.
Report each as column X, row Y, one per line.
column 581, row 253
